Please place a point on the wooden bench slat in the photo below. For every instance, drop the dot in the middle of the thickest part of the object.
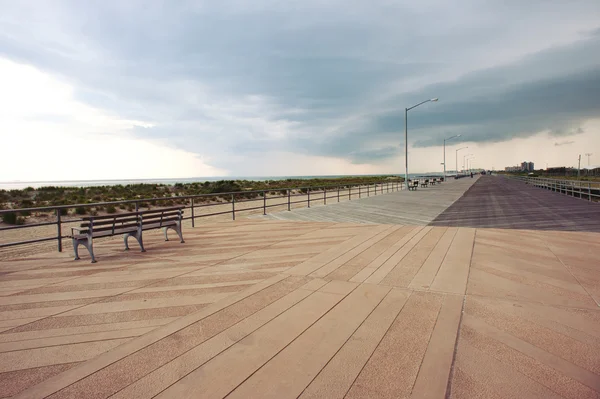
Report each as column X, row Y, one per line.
column 148, row 212
column 116, row 220
column 116, row 227
column 131, row 224
column 106, row 233
column 159, row 215
column 171, row 219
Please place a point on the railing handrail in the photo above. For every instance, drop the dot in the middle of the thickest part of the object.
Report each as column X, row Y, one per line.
column 229, row 193
column 379, row 187
column 552, row 179
column 582, row 189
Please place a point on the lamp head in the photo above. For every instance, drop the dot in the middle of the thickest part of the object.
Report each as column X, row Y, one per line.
column 434, row 99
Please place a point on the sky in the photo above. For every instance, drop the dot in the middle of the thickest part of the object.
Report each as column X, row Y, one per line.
column 173, row 89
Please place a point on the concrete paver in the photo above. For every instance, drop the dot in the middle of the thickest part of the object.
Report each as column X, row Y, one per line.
column 287, row 309
column 401, row 207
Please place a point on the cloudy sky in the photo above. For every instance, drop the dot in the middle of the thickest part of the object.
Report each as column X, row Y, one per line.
column 148, row 89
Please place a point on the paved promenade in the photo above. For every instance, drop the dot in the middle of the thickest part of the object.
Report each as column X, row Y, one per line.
column 284, row 309
column 402, row 207
column 499, row 202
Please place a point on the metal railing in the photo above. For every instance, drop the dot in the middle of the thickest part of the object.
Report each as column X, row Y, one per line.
column 585, row 190
column 196, row 202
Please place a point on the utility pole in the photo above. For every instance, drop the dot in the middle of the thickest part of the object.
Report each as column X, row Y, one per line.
column 589, row 154
column 579, row 165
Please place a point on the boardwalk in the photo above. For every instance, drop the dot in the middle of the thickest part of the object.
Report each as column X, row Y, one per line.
column 505, row 203
column 403, row 207
column 284, row 309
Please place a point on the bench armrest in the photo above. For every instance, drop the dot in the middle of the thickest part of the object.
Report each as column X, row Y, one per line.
column 78, row 229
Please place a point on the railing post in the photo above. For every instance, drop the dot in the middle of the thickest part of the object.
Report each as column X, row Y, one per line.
column 264, row 203
column 289, row 199
column 359, row 195
column 59, row 230
column 324, row 196
column 350, row 193
column 338, row 193
column 589, row 191
column 368, row 190
column 193, row 221
column 137, row 207
column 233, row 206
column 308, row 191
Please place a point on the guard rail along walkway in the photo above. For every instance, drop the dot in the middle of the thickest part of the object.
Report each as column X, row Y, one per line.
column 585, row 190
column 130, row 224
column 203, row 205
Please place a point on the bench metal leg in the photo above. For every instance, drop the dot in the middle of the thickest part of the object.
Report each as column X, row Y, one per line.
column 177, row 229
column 86, row 243
column 138, row 236
column 75, row 245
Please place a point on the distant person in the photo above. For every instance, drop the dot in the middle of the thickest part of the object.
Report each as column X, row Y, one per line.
column 471, row 175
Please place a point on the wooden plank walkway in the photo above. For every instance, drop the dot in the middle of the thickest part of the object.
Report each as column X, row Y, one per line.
column 402, row 207
column 495, row 201
column 259, row 308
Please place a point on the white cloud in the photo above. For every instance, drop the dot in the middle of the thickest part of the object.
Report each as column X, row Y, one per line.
column 291, row 88
column 47, row 135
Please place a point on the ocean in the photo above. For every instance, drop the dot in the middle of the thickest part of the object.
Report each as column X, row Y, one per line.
column 18, row 185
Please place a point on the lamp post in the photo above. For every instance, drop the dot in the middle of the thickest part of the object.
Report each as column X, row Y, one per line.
column 456, row 159
column 464, row 159
column 406, row 137
column 469, row 159
column 449, row 138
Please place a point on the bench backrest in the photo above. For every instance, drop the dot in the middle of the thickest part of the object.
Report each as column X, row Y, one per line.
column 130, row 220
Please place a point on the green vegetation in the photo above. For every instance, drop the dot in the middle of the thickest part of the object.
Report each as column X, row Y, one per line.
column 53, row 196
column 581, row 178
column 541, row 174
column 12, row 218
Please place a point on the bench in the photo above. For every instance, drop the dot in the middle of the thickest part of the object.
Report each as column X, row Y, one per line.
column 425, row 183
column 129, row 224
column 413, row 185
column 433, row 181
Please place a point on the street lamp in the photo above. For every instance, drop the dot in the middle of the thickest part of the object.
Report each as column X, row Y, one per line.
column 449, row 138
column 469, row 167
column 464, row 158
column 406, row 137
column 456, row 159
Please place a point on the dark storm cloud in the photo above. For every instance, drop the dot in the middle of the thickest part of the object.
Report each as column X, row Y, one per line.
column 241, row 78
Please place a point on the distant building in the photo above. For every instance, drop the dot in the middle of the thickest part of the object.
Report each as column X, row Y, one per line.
column 527, row 166
column 513, row 169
